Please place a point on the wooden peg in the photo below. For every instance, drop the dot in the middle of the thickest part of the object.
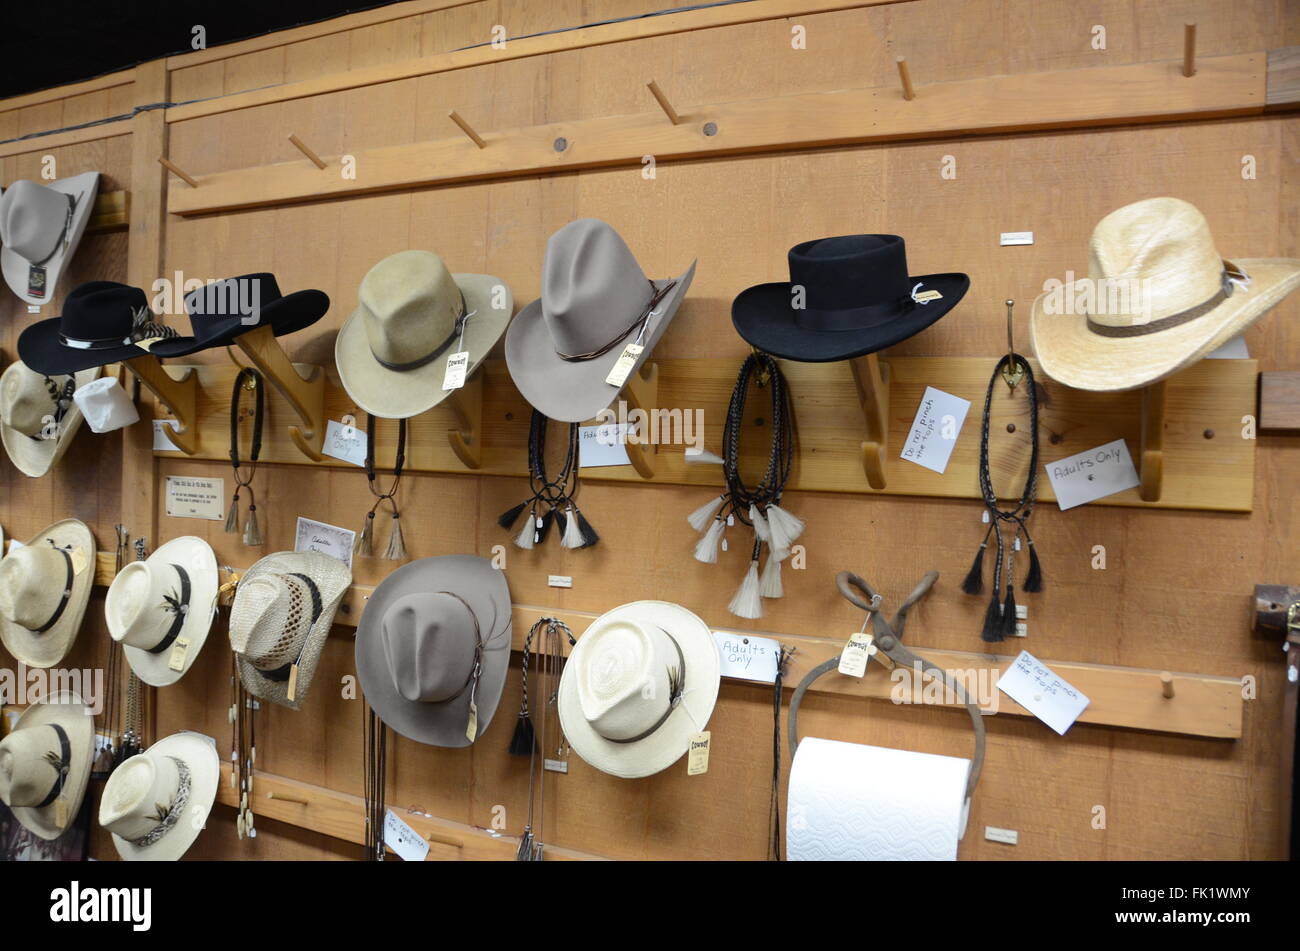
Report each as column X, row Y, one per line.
column 306, row 150
column 443, row 840
column 468, row 129
column 642, row 392
column 178, row 172
column 281, row 797
column 905, row 77
column 179, row 395
column 1189, row 49
column 1167, row 684
column 1151, row 455
column 664, row 104
column 872, row 379
column 466, row 403
column 306, row 395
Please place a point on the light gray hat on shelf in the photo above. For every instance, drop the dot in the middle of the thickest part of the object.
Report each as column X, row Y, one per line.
column 40, row 227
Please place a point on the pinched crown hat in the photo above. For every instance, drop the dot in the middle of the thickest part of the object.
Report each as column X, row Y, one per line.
column 40, row 228
column 44, row 588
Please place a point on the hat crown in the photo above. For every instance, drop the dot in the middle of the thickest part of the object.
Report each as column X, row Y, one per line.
column 1152, row 259
column 25, row 400
column 593, row 289
column 243, row 297
column 32, row 218
column 138, row 794
column 409, row 305
column 32, row 583
column 850, row 271
column 429, row 642
column 623, row 678
column 141, row 603
column 270, row 620
column 28, row 766
column 103, row 310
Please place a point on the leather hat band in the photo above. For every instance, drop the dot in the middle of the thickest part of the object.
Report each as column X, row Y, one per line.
column 180, row 607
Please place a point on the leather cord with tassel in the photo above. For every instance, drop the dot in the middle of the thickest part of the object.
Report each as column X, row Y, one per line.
column 365, row 543
column 552, row 500
column 246, row 379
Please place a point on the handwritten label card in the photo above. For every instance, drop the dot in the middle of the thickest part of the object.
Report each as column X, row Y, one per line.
column 603, row 445
column 324, row 538
column 196, row 498
column 345, row 442
column 1031, row 683
column 747, row 657
column 1092, row 474
column 161, row 429
column 409, row 845
column 938, row 422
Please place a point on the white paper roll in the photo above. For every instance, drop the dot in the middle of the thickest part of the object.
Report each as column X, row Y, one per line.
column 851, row 802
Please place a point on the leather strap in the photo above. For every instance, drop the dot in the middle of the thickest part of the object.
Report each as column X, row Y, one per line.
column 641, row 323
column 182, row 611
column 65, row 760
column 1232, row 275
column 63, row 598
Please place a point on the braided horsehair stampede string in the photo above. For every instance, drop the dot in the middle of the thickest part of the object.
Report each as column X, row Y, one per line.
column 247, row 378
column 551, row 499
column 1000, row 617
column 757, row 507
column 364, row 544
column 551, row 649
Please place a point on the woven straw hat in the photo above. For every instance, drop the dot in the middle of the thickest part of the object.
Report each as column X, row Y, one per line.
column 1158, row 297
column 45, row 763
column 44, row 588
column 641, row 681
column 155, row 803
column 31, row 437
column 280, row 620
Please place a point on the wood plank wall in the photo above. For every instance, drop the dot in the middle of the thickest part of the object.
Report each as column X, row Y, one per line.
column 1176, row 589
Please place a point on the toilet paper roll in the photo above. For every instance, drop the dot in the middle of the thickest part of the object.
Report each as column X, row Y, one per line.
column 105, row 405
column 851, row 802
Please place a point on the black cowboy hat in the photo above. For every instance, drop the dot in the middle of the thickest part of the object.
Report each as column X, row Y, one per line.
column 221, row 311
column 847, row 296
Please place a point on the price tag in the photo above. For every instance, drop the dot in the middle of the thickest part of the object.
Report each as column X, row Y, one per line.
column 457, row 367
column 623, row 366
column 409, row 845
column 78, row 560
column 471, row 728
column 926, row 296
column 180, row 648
column 856, row 653
column 697, row 760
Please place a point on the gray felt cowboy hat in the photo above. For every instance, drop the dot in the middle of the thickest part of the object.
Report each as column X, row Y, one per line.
column 40, row 227
column 596, row 301
column 45, row 763
column 433, row 648
column 44, row 588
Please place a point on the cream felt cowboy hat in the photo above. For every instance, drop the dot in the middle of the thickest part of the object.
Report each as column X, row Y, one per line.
column 156, row 803
column 161, row 609
column 280, row 619
column 45, row 763
column 412, row 315
column 40, row 227
column 433, row 648
column 1158, row 297
column 641, row 681
column 38, row 416
column 44, row 588
column 596, row 301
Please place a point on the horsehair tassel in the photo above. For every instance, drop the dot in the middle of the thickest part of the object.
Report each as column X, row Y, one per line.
column 747, row 603
column 993, row 631
column 571, row 537
column 1009, row 612
column 974, row 581
column 700, row 518
column 706, row 549
column 761, row 528
column 526, row 535
column 791, row 526
column 1034, row 579
column 396, row 543
column 589, row 536
column 508, row 518
column 253, row 530
column 769, row 583
column 232, row 517
column 365, row 543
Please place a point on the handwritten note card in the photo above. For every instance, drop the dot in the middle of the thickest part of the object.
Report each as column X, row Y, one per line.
column 409, row 845
column 324, row 538
column 938, row 422
column 747, row 657
column 1092, row 474
column 603, row 445
column 1031, row 683
column 196, row 498
column 346, row 442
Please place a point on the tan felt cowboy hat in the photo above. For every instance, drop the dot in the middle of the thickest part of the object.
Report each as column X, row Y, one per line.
column 1158, row 297
column 412, row 315
column 433, row 648
column 640, row 683
column 279, row 621
column 44, row 588
column 155, row 803
column 161, row 609
column 45, row 763
column 596, row 301
column 40, row 227
column 37, row 418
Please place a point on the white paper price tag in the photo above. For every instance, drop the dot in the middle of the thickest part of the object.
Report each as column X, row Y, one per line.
column 180, row 648
column 856, row 653
column 409, row 845
column 1033, row 685
column 697, row 759
column 623, row 366
column 457, row 367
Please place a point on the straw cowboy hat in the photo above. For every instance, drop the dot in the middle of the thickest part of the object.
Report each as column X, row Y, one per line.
column 38, row 416
column 103, row 322
column 161, row 609
column 221, row 311
column 279, row 621
column 1158, row 297
column 44, row 588
column 640, row 683
column 40, row 227
column 45, row 763
column 433, row 648
column 156, row 803
column 412, row 315
column 847, row 296
column 596, row 301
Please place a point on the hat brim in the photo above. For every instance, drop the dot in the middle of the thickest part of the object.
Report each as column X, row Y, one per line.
column 666, row 744
column 35, row 457
column 69, row 711
column 48, row 648
column 766, row 318
column 200, row 562
column 572, row 391
column 484, row 588
column 333, row 584
column 40, row 347
column 15, row 267
column 1072, row 354
column 200, row 754
column 287, row 315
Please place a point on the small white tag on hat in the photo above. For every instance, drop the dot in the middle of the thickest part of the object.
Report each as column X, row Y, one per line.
column 856, row 653
column 61, row 812
column 180, row 648
column 926, row 296
column 623, row 366
column 293, row 683
column 457, row 366
column 33, row 308
column 471, row 728
column 697, row 760
column 148, row 342
column 78, row 560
